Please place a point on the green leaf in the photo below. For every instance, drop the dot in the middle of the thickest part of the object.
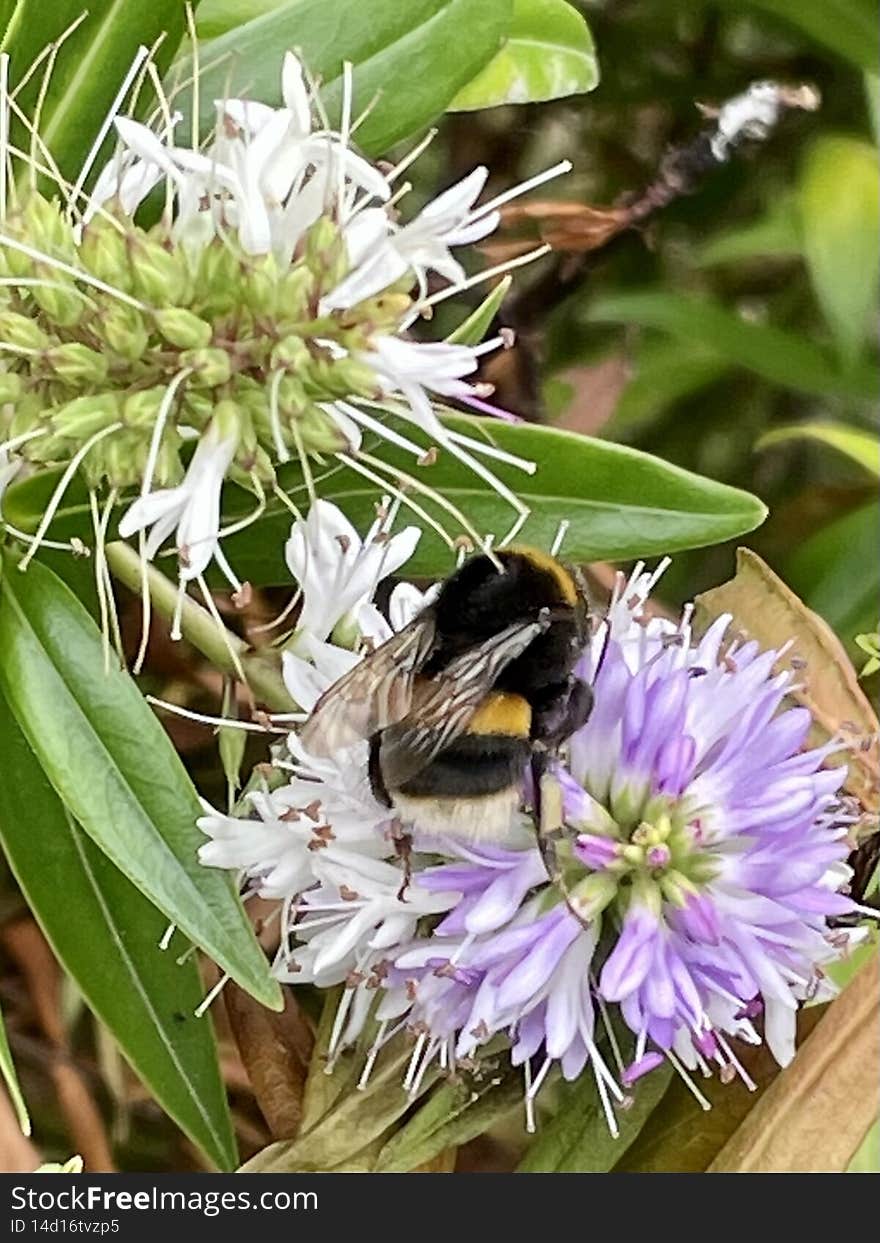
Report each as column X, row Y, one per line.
column 401, row 53
column 7, row 1066
column 664, row 372
column 455, row 1113
column 778, row 356
column 846, row 27
column 577, row 1140
column 839, row 202
column 860, row 446
column 106, row 935
column 114, row 767
column 679, row 1137
column 215, row 17
column 548, row 53
column 620, row 503
column 775, row 235
column 472, row 330
column 90, row 65
column 867, row 1159
column 837, row 571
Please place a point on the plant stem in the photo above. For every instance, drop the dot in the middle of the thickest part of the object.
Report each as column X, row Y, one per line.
column 201, row 630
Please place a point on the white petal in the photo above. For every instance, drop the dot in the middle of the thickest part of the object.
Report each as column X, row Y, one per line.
column 150, row 508
column 294, row 93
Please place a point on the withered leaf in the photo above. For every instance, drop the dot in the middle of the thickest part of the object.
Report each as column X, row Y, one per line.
column 818, row 1110
column 765, row 609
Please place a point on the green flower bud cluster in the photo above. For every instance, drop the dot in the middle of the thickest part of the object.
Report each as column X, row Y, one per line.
column 94, row 328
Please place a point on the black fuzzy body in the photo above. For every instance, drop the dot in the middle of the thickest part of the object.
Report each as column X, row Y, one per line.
column 475, row 604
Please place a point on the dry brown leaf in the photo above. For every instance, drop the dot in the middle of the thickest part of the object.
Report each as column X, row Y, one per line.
column 763, row 608
column 30, row 950
column 275, row 1049
column 817, row 1112
column 595, row 393
column 443, row 1163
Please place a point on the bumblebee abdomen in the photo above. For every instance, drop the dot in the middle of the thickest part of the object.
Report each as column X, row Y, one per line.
column 473, row 766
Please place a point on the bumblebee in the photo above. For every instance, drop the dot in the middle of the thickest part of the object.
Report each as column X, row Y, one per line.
column 457, row 703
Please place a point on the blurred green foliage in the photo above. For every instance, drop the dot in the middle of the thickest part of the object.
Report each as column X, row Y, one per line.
column 743, row 308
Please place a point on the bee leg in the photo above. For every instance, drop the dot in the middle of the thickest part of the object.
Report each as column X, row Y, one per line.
column 403, row 849
column 551, row 825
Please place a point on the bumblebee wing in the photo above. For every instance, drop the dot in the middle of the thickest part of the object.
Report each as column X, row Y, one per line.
column 373, row 695
column 444, row 704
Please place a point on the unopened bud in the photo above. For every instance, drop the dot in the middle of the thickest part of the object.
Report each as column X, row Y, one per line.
column 259, row 284
column 182, row 328
column 210, row 366
column 290, row 354
column 76, row 364
column 46, row 228
column 10, row 387
column 22, row 332
column 123, row 328
column 319, row 433
column 158, row 274
column 295, row 291
column 59, row 300
column 82, row 417
column 591, row 895
column 104, row 253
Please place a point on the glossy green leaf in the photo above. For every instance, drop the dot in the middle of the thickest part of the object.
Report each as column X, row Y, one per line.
column 778, row 356
column 114, row 767
column 215, row 17
column 836, row 572
column 548, row 53
column 472, row 330
column 90, row 66
column 846, row 27
column 620, row 503
column 860, row 446
column 577, row 1140
column 839, row 202
column 7, row 1066
column 106, row 935
column 402, row 55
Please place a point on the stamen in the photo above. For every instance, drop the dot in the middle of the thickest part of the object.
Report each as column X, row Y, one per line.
column 437, row 497
column 39, row 257
column 414, row 1061
column 372, row 1055
column 275, row 416
column 159, row 428
column 411, row 157
column 492, row 451
column 698, row 1096
column 735, row 1062
column 430, row 1054
column 194, row 52
column 382, row 429
column 357, row 466
column 224, row 633
column 338, row 1024
column 211, row 997
column 540, row 1077
column 558, row 539
column 564, row 166
column 608, row 1109
column 99, row 582
column 216, row 721
column 304, row 462
column 176, row 633
column 139, row 57
column 487, row 274
column 15, row 442
column 165, row 939
column 63, row 483
column 4, row 129
column 146, row 604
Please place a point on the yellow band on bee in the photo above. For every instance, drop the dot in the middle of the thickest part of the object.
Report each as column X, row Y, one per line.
column 502, row 713
column 551, row 566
